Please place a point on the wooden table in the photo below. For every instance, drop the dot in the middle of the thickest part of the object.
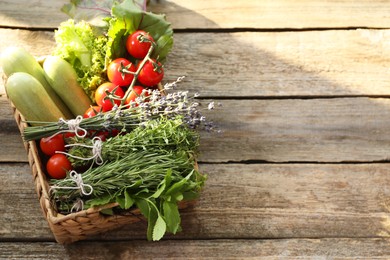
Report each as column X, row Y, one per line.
column 301, row 169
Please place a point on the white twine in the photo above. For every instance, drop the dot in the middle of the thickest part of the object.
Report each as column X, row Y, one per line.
column 78, row 206
column 79, row 184
column 96, row 151
column 73, row 127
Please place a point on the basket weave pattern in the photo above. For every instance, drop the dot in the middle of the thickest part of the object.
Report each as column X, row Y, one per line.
column 79, row 225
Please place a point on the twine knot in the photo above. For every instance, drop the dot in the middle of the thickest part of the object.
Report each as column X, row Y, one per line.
column 74, row 126
column 96, row 147
column 80, row 185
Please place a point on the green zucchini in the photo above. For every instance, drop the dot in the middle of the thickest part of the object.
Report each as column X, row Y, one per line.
column 17, row 59
column 31, row 98
column 63, row 79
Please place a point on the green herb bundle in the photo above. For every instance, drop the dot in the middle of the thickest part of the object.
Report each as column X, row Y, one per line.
column 171, row 106
column 154, row 136
column 153, row 182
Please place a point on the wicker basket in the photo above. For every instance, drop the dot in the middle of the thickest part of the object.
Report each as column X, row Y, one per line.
column 75, row 226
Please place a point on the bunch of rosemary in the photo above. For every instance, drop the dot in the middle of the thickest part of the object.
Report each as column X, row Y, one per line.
column 153, row 182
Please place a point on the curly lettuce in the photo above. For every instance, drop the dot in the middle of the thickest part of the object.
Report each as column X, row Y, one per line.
column 85, row 51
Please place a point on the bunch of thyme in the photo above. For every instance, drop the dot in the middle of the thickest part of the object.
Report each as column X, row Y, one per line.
column 156, row 135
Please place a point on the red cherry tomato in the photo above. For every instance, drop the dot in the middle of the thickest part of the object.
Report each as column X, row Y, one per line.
column 58, row 165
column 49, row 145
column 137, row 91
column 100, row 95
column 151, row 74
column 138, row 44
column 92, row 111
column 119, row 72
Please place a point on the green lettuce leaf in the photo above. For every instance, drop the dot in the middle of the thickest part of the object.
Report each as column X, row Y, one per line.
column 85, row 51
column 127, row 17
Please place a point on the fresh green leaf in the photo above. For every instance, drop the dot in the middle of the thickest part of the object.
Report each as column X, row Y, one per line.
column 127, row 17
column 129, row 201
column 88, row 10
column 164, row 46
column 125, row 201
column 108, row 211
column 143, row 206
column 178, row 196
column 164, row 183
column 151, row 223
column 179, row 185
column 172, row 216
column 159, row 228
column 160, row 189
column 190, row 195
column 121, row 201
column 99, row 201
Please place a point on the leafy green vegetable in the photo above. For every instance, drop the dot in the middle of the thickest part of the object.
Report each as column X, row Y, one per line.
column 86, row 52
column 90, row 11
column 94, row 12
column 97, row 34
column 129, row 17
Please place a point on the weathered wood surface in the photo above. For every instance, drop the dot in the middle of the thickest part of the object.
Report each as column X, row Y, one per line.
column 300, row 169
column 342, row 248
column 242, row 201
column 292, row 130
column 200, row 14
column 268, row 64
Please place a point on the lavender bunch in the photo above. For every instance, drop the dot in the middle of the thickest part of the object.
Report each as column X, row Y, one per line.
column 126, row 118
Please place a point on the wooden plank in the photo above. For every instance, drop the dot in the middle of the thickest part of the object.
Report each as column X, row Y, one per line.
column 340, row 248
column 12, row 148
column 291, row 130
column 313, row 63
column 187, row 14
column 242, row 201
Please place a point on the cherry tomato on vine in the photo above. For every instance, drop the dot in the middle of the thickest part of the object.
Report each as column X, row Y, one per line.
column 49, row 145
column 119, row 72
column 92, row 111
column 58, row 165
column 137, row 91
column 138, row 44
column 151, row 73
column 102, row 99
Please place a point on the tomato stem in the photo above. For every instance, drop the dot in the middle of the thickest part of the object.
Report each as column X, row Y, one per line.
column 141, row 65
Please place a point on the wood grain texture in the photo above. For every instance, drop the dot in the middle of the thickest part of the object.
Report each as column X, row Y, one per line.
column 242, row 201
column 340, row 248
column 313, row 63
column 291, row 130
column 188, row 14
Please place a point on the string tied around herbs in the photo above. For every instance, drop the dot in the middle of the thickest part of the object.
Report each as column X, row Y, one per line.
column 73, row 127
column 77, row 206
column 85, row 189
column 96, row 151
